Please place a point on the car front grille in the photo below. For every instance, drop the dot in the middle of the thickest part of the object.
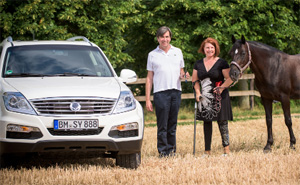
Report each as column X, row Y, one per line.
column 63, row 106
column 75, row 132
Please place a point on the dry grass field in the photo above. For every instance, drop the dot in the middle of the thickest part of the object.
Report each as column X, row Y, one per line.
column 247, row 164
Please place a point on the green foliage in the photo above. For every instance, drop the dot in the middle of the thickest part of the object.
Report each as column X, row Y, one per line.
column 275, row 23
column 103, row 22
column 125, row 30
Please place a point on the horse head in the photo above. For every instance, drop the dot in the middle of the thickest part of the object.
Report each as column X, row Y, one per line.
column 241, row 58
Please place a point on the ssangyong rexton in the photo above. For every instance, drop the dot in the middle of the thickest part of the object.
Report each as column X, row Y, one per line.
column 64, row 97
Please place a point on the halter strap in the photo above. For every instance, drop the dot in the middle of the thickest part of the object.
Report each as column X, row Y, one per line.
column 242, row 69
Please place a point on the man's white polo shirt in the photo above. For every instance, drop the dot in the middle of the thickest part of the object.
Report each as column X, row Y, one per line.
column 166, row 68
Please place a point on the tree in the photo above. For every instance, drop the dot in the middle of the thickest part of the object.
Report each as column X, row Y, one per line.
column 275, row 23
column 125, row 30
column 103, row 22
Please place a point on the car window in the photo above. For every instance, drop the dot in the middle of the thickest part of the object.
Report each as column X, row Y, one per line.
column 47, row 60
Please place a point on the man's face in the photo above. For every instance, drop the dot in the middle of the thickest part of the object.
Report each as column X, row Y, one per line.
column 164, row 41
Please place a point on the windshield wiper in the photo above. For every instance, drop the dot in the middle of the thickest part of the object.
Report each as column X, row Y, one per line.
column 74, row 74
column 24, row 75
column 44, row 75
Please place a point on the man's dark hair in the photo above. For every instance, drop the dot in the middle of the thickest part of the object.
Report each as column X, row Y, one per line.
column 162, row 30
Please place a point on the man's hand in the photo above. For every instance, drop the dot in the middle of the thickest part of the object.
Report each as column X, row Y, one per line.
column 149, row 106
column 187, row 75
column 184, row 75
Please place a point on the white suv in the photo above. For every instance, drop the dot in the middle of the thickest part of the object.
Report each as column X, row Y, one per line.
column 64, row 97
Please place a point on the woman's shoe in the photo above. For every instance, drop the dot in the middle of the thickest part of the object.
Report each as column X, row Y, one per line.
column 224, row 155
column 206, row 154
column 226, row 150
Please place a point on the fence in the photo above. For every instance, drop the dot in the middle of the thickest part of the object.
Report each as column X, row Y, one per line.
column 250, row 92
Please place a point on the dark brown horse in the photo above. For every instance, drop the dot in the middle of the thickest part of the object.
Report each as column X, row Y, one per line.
column 277, row 77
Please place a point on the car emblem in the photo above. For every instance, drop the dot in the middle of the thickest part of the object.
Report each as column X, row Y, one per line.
column 74, row 106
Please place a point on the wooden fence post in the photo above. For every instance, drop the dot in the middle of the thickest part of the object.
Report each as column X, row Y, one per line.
column 252, row 96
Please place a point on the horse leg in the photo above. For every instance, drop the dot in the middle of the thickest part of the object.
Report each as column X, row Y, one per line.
column 288, row 121
column 268, row 110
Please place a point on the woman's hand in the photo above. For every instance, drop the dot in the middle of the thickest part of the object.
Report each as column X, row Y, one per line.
column 198, row 97
column 218, row 90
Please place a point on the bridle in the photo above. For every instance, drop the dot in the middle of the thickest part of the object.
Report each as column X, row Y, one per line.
column 242, row 69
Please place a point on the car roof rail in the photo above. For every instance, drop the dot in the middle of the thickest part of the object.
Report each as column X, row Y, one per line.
column 10, row 39
column 79, row 38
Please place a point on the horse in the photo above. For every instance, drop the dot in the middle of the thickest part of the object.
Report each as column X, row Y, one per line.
column 277, row 78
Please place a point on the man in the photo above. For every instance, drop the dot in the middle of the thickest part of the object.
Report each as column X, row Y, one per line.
column 165, row 70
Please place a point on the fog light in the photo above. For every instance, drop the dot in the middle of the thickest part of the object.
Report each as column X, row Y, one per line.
column 125, row 127
column 21, row 128
column 124, row 130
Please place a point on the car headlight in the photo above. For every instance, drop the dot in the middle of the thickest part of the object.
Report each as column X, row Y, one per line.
column 126, row 102
column 16, row 102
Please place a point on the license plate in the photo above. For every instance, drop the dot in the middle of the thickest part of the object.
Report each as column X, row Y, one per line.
column 70, row 124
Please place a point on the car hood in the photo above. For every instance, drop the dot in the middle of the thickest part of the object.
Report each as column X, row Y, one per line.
column 47, row 87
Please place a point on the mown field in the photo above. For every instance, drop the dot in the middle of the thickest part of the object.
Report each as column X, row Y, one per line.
column 247, row 164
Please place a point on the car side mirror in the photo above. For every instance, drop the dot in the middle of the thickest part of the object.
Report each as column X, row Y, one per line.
column 128, row 76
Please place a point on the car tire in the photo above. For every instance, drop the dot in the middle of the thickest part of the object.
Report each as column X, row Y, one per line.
column 131, row 161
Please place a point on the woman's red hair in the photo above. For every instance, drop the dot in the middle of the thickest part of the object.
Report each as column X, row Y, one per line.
column 212, row 41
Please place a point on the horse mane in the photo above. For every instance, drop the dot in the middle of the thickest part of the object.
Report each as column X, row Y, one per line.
column 265, row 47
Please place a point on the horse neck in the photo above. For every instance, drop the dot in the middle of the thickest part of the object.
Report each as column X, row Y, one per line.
column 262, row 60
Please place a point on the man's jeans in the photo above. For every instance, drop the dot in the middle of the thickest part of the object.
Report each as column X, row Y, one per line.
column 167, row 105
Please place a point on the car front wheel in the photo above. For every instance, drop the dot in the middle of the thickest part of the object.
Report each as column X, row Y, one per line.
column 132, row 161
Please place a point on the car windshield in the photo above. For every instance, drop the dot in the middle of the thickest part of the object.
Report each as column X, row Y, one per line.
column 55, row 60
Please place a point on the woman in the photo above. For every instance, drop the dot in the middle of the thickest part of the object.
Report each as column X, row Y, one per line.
column 211, row 92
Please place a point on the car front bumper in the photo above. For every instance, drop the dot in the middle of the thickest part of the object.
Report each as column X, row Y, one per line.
column 103, row 142
column 99, row 146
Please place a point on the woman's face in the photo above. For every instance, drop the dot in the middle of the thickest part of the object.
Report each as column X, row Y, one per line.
column 209, row 50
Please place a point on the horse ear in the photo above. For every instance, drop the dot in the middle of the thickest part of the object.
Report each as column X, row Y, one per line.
column 243, row 39
column 233, row 39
